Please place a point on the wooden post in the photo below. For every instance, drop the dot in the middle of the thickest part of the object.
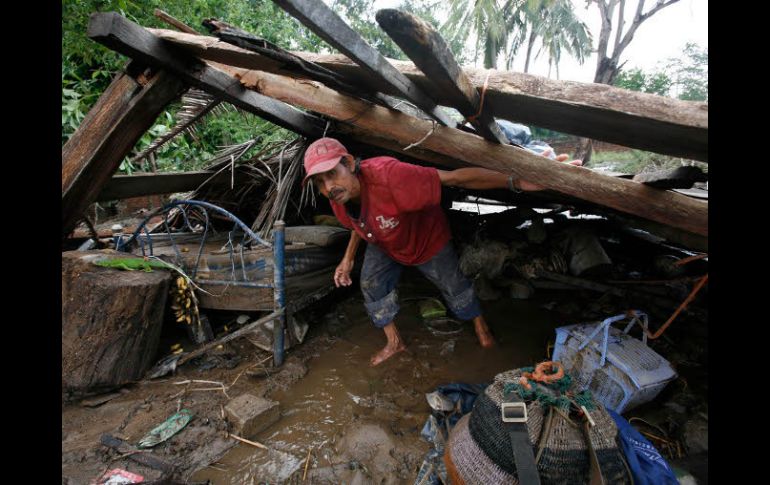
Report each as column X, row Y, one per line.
column 430, row 53
column 124, row 112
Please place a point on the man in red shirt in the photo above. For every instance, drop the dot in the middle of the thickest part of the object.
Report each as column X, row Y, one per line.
column 396, row 208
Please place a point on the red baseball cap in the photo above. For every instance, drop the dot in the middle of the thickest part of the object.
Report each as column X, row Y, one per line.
column 323, row 155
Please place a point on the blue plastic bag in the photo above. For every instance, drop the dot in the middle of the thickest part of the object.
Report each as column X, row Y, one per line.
column 647, row 466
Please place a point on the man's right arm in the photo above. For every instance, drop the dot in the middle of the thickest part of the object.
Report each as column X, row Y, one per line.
column 342, row 273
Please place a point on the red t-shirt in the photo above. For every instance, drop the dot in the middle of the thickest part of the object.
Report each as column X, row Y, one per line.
column 400, row 210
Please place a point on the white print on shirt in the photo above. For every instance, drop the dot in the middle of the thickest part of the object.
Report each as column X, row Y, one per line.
column 389, row 223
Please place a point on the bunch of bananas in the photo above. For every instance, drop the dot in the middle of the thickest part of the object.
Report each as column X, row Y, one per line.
column 183, row 302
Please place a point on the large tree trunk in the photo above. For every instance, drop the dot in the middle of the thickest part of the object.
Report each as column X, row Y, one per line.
column 111, row 321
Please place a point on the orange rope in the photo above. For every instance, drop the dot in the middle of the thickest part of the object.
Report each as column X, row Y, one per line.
column 471, row 119
column 540, row 374
column 684, row 304
column 690, row 258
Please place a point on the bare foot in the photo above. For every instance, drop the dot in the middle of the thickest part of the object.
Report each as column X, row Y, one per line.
column 484, row 335
column 386, row 353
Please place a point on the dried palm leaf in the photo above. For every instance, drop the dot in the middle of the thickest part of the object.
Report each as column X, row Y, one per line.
column 196, row 105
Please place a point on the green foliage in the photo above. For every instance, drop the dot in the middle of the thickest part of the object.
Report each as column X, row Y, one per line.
column 88, row 68
column 637, row 80
column 685, row 77
column 503, row 27
column 639, row 161
column 690, row 73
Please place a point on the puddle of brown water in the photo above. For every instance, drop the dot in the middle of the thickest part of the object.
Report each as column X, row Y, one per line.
column 340, row 388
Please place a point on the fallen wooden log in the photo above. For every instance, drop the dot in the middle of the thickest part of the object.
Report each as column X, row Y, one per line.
column 430, row 53
column 111, row 321
column 626, row 196
column 598, row 111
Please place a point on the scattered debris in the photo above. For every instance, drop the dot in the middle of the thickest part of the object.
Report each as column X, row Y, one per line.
column 167, row 429
column 140, row 456
column 117, row 476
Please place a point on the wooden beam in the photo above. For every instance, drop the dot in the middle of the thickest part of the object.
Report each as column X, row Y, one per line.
column 626, row 196
column 123, row 113
column 322, row 20
column 598, row 111
column 132, row 40
column 673, row 235
column 431, row 54
column 637, row 120
column 138, row 185
column 241, row 38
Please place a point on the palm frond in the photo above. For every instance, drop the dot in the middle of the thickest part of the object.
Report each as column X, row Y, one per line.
column 196, row 105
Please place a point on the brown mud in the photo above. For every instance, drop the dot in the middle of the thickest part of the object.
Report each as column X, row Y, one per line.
column 357, row 424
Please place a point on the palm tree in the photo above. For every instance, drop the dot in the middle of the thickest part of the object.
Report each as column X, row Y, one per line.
column 562, row 30
column 503, row 26
column 555, row 23
column 485, row 19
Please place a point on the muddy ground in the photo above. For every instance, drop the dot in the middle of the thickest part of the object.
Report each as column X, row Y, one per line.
column 348, row 422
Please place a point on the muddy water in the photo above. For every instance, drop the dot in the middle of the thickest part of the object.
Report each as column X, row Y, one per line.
column 342, row 406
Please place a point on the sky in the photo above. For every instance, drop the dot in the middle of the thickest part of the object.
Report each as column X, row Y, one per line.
column 660, row 37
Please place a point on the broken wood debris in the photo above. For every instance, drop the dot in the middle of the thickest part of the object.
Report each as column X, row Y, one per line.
column 256, row 444
column 126, row 37
column 601, row 112
column 319, row 18
column 238, row 333
column 123, row 35
column 662, row 206
column 111, row 128
column 430, row 53
column 235, row 36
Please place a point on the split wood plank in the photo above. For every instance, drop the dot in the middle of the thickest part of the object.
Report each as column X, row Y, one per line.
column 428, row 50
column 123, row 113
column 128, row 38
column 322, row 20
column 626, row 196
column 598, row 111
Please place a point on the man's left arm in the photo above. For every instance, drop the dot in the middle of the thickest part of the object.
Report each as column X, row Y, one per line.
column 478, row 178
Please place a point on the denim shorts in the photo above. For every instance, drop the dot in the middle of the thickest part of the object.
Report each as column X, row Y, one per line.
column 380, row 274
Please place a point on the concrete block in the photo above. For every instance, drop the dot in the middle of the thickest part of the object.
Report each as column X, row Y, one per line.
column 251, row 414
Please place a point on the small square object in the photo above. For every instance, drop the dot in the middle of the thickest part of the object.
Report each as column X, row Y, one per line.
column 250, row 414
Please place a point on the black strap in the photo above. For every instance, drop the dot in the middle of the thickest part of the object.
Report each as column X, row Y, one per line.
column 523, row 456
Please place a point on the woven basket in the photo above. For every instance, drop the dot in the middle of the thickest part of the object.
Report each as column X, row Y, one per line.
column 479, row 448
